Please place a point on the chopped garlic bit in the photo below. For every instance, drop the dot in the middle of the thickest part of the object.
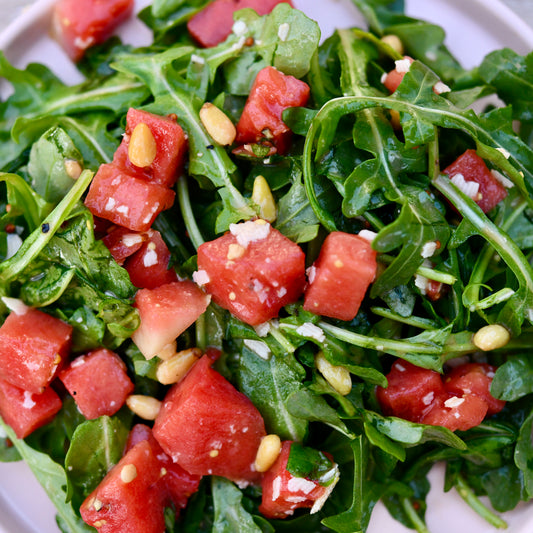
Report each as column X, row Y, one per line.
column 249, row 231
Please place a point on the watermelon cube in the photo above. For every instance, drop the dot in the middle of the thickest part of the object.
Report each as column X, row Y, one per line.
column 122, row 242
column 26, row 411
column 130, row 497
column 33, row 346
column 253, row 271
column 165, row 313
column 98, row 382
column 125, row 199
column 209, row 427
column 339, row 278
column 171, row 146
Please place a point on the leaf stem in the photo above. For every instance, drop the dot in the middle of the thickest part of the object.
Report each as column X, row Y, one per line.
column 475, row 503
column 189, row 219
column 416, row 521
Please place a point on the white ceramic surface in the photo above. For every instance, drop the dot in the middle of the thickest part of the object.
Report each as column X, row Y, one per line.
column 474, row 27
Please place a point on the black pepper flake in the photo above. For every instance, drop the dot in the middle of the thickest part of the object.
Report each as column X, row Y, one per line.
column 210, row 147
column 45, row 228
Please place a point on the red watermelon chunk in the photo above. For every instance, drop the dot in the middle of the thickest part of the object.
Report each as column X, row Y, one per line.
column 33, row 345
column 209, row 427
column 473, row 169
column 272, row 92
column 213, row 24
column 339, row 278
column 130, row 497
column 122, row 242
column 125, row 199
column 392, row 79
column 283, row 492
column 179, row 484
column 165, row 313
column 253, row 271
column 148, row 267
column 98, row 382
column 26, row 411
column 80, row 24
column 171, row 146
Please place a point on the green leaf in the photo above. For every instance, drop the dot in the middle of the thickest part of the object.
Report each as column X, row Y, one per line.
column 230, row 514
column 513, row 379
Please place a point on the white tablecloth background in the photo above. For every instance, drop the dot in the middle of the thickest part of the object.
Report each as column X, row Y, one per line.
column 9, row 9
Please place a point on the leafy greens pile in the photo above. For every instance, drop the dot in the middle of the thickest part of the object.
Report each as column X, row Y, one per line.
column 349, row 169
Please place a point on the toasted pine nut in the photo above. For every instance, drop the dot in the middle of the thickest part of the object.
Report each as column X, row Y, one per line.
column 262, row 196
column 394, row 42
column 217, row 124
column 142, row 147
column 144, row 406
column 267, row 453
column 337, row 376
column 395, row 119
column 73, row 168
column 128, row 473
column 168, row 351
column 235, row 251
column 174, row 369
column 491, row 337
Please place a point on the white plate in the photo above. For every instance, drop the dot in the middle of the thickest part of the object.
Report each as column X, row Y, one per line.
column 474, row 27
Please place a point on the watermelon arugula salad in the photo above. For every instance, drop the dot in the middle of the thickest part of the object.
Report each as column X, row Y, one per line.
column 254, row 280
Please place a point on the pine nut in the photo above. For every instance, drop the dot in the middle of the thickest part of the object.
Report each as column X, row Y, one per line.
column 262, row 196
column 174, row 369
column 144, row 406
column 128, row 473
column 267, row 453
column 73, row 168
column 142, row 147
column 217, row 124
column 337, row 376
column 491, row 337
column 168, row 351
column 394, row 42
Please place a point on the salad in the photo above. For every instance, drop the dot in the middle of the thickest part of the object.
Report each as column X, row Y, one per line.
column 254, row 281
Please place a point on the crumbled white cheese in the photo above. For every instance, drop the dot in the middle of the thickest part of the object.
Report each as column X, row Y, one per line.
column 14, row 242
column 259, row 348
column 249, row 231
column 428, row 398
column 421, row 283
column 308, row 329
column 319, row 502
column 78, row 361
column 281, row 292
column 150, row 258
column 276, row 487
column 429, row 249
column 201, row 277
column 239, row 28
column 399, row 367
column 504, row 152
column 28, row 401
column 263, row 329
column 83, row 44
column 131, row 239
column 403, row 65
column 123, row 209
column 441, row 87
column 199, row 60
column 111, row 202
column 283, row 31
column 300, row 484
column 383, row 77
column 14, row 304
column 507, row 183
column 311, row 273
column 454, row 401
column 470, row 188
column 367, row 235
